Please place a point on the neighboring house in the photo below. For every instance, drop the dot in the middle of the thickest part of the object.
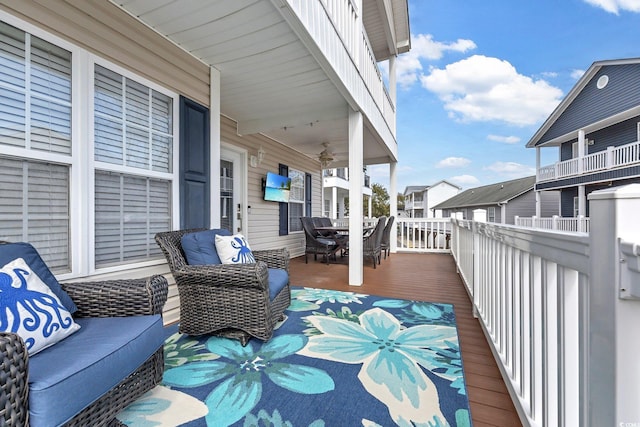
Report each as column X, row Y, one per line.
column 336, row 192
column 420, row 200
column 597, row 131
column 502, row 201
column 123, row 119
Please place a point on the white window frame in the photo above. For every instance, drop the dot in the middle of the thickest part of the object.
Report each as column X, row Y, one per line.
column 491, row 214
column 93, row 165
column 81, row 161
column 292, row 201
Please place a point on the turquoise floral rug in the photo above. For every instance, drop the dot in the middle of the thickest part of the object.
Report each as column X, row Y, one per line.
column 338, row 359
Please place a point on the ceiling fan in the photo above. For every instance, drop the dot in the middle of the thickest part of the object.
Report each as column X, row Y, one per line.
column 325, row 156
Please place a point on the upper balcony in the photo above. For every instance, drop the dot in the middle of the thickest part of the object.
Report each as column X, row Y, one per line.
column 609, row 159
column 294, row 69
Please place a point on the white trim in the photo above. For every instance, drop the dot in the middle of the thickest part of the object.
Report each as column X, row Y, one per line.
column 240, row 179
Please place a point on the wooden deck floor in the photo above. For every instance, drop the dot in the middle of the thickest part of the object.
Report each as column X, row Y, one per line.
column 428, row 277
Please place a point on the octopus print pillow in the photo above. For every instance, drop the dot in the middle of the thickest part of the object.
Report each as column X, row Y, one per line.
column 234, row 249
column 30, row 309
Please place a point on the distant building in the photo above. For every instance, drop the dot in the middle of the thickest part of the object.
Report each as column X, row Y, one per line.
column 419, row 200
column 597, row 131
column 502, row 201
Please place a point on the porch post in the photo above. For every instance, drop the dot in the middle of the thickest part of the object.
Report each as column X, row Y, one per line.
column 612, row 316
column 356, row 177
column 582, row 201
column 393, row 208
column 392, row 89
column 580, row 150
column 214, row 138
column 538, row 208
column 334, row 203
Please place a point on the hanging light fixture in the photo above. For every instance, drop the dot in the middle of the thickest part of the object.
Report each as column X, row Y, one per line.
column 325, row 156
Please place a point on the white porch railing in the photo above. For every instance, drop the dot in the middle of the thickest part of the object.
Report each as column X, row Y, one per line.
column 560, row 311
column 348, row 51
column 612, row 157
column 579, row 224
column 423, row 234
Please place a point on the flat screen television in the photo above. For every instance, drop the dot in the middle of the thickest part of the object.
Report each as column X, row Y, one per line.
column 277, row 188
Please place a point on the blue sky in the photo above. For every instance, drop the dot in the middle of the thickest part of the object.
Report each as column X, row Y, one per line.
column 482, row 76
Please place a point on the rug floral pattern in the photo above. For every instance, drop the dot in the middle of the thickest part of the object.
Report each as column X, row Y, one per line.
column 340, row 358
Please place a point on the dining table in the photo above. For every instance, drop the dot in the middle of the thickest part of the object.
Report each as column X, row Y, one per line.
column 343, row 230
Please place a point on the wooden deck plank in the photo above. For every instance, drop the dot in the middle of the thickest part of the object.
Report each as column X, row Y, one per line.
column 427, row 277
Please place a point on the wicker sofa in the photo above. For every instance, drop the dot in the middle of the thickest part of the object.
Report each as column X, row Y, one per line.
column 236, row 301
column 40, row 382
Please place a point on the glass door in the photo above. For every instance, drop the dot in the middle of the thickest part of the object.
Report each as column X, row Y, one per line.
column 232, row 191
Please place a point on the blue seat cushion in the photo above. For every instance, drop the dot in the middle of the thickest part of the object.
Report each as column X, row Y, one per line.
column 278, row 279
column 69, row 376
column 26, row 251
column 200, row 247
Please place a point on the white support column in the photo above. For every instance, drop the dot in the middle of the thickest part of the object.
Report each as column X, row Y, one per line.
column 356, row 176
column 538, row 207
column 612, row 337
column 334, row 203
column 580, row 150
column 322, row 213
column 392, row 90
column 214, row 138
column 503, row 213
column 582, row 201
column 393, row 190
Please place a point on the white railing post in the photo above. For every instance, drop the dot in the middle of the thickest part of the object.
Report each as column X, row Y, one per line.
column 610, row 160
column 554, row 222
column 534, row 222
column 612, row 338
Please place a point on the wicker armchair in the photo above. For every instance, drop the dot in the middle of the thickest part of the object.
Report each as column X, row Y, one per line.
column 112, row 298
column 372, row 244
column 230, row 300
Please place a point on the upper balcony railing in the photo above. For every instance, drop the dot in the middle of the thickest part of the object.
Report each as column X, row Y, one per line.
column 611, row 158
column 346, row 49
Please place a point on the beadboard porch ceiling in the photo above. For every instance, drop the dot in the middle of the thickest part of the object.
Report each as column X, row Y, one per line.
column 270, row 81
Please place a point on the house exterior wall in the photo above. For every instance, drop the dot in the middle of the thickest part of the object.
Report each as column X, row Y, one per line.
column 107, row 31
column 437, row 194
column 104, row 30
column 591, row 105
column 523, row 205
column 616, row 135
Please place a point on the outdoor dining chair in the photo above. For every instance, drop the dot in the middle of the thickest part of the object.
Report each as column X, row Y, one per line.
column 372, row 243
column 386, row 237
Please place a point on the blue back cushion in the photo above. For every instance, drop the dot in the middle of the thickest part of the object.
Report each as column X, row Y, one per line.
column 200, row 247
column 11, row 251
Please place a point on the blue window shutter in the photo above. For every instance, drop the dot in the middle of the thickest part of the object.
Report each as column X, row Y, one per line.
column 283, row 207
column 194, row 164
column 307, row 194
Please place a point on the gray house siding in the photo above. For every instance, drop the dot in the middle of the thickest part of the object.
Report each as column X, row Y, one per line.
column 566, row 201
column 590, row 106
column 622, row 133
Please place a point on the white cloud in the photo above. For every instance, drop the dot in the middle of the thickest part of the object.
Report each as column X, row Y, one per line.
column 504, row 139
column 511, row 169
column 550, row 74
column 615, row 6
column 576, row 74
column 481, row 88
column 464, row 180
column 453, row 162
column 423, row 47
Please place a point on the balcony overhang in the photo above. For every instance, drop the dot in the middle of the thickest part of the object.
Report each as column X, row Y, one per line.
column 275, row 77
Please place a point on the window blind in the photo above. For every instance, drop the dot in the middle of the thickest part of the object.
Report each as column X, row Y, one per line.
column 36, row 208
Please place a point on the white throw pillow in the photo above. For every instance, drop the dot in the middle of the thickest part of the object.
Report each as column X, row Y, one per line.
column 234, row 249
column 30, row 309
